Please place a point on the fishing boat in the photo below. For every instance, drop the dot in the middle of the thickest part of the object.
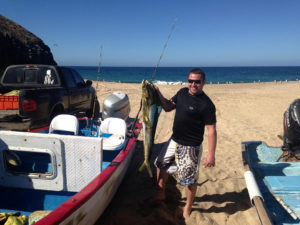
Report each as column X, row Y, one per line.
column 67, row 173
column 273, row 183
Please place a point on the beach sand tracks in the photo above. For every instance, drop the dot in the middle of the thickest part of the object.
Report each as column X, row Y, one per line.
column 216, row 201
column 245, row 112
column 132, row 204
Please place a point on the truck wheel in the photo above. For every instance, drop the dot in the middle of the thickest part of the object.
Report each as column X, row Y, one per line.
column 55, row 113
column 89, row 112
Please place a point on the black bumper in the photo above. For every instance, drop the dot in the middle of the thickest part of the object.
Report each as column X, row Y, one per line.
column 17, row 126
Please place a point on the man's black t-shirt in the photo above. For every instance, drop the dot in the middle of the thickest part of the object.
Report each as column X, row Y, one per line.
column 193, row 112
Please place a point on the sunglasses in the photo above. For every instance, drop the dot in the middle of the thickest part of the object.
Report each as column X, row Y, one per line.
column 196, row 81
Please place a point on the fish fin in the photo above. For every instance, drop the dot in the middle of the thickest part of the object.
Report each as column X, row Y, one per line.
column 147, row 166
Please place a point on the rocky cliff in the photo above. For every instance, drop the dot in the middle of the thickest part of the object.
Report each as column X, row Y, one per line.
column 19, row 46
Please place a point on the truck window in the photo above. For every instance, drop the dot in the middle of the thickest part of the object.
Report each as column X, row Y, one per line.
column 13, row 76
column 78, row 79
column 70, row 82
column 34, row 75
column 30, row 76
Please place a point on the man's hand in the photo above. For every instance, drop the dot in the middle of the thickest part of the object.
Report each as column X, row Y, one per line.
column 210, row 161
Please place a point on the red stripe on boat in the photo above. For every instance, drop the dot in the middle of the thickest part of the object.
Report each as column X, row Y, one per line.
column 75, row 202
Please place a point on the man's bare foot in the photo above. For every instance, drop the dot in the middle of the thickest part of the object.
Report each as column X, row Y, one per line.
column 186, row 212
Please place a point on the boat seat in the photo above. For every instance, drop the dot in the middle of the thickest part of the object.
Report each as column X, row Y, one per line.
column 277, row 169
column 283, row 183
column 64, row 124
column 113, row 130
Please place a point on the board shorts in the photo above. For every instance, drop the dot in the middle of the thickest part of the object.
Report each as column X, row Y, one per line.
column 184, row 159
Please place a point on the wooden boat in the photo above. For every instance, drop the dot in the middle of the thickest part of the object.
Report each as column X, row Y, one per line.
column 66, row 173
column 273, row 184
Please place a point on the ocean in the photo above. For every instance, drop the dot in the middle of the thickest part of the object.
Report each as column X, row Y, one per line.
column 179, row 74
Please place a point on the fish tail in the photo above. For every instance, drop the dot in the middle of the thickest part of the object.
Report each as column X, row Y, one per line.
column 147, row 166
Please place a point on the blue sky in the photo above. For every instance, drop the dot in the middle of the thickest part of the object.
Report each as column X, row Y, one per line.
column 133, row 32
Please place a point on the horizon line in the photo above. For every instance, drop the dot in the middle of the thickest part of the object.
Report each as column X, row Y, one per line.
column 179, row 66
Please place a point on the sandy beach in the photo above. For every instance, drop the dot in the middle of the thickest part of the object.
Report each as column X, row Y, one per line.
column 245, row 112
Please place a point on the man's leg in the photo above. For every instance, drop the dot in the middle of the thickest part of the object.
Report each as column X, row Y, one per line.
column 190, row 191
column 162, row 177
column 188, row 166
column 165, row 165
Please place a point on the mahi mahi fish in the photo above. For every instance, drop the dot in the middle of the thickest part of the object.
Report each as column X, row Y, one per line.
column 151, row 108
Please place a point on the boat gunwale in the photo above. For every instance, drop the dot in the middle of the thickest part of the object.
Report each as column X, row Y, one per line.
column 66, row 209
column 258, row 202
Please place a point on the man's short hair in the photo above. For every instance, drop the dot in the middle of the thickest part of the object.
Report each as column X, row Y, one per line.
column 198, row 71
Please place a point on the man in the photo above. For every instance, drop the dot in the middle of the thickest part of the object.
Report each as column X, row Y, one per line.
column 194, row 111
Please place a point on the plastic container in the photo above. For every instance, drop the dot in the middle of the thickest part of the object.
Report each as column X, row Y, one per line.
column 9, row 102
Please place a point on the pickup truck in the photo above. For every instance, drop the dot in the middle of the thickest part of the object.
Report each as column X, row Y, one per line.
column 31, row 95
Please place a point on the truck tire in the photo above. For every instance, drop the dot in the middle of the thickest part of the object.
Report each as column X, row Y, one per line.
column 55, row 112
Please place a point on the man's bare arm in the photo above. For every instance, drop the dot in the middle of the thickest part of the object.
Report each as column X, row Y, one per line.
column 212, row 143
column 168, row 105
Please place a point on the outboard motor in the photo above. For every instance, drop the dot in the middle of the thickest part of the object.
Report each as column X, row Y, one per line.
column 116, row 105
column 291, row 127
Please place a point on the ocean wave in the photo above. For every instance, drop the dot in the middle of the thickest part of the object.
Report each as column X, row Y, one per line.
column 161, row 82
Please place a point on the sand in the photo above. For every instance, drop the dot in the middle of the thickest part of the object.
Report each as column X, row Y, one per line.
column 245, row 112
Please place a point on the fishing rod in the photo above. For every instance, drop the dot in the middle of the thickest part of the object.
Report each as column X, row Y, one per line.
column 164, row 48
column 98, row 79
column 96, row 91
column 154, row 72
column 99, row 66
column 161, row 55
